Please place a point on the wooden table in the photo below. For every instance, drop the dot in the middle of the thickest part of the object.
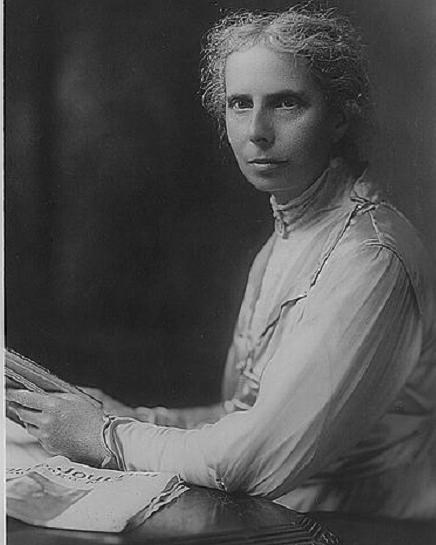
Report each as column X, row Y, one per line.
column 358, row 530
column 209, row 517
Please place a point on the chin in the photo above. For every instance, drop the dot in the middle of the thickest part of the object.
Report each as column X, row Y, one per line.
column 267, row 185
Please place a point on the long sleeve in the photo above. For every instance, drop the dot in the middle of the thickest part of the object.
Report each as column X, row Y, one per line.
column 341, row 355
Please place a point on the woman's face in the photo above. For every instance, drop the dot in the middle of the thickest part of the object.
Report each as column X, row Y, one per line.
column 278, row 123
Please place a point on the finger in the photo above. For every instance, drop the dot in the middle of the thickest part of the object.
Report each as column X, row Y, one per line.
column 10, row 383
column 33, row 430
column 11, row 393
column 10, row 413
column 94, row 392
column 77, row 400
column 68, row 397
column 34, row 418
column 30, row 399
column 14, row 405
column 95, row 396
column 16, row 395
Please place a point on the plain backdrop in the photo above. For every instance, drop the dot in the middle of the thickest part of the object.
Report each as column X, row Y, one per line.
column 129, row 230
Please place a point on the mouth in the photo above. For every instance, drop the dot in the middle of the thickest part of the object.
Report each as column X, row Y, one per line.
column 265, row 164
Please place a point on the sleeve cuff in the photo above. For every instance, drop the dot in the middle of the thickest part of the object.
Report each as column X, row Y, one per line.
column 111, row 460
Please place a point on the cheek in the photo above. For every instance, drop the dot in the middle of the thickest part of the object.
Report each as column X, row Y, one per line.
column 312, row 137
column 233, row 137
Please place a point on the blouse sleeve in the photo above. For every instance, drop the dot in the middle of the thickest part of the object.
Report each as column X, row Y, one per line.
column 345, row 351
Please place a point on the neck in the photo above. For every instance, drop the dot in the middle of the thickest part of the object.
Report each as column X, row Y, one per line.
column 289, row 194
column 303, row 209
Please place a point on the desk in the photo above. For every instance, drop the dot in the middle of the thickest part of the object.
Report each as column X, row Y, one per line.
column 209, row 517
column 360, row 530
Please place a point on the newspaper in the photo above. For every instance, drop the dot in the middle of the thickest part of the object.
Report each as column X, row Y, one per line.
column 59, row 493
column 22, row 449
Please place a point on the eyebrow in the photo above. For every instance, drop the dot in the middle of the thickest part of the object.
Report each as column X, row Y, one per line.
column 286, row 93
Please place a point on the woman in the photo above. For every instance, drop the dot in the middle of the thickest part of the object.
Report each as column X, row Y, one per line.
column 330, row 383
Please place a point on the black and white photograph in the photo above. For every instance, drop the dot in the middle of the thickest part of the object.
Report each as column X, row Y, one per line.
column 219, row 272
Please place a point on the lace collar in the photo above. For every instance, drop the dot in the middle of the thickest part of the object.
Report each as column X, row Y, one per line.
column 299, row 211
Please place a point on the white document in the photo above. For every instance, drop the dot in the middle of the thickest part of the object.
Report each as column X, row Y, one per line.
column 58, row 493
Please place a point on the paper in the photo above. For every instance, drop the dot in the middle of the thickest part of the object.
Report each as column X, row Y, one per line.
column 22, row 449
column 22, row 372
column 59, row 493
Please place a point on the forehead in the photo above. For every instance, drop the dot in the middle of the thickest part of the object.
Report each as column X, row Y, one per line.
column 262, row 70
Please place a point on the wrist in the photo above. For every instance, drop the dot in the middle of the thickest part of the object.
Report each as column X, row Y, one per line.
column 109, row 460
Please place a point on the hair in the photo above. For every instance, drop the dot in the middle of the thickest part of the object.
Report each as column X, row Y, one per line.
column 330, row 45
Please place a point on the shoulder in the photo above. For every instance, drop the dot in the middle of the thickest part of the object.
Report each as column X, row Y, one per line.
column 376, row 228
column 378, row 223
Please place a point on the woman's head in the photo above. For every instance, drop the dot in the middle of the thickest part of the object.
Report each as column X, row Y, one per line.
column 327, row 43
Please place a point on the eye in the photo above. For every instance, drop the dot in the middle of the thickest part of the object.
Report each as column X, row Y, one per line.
column 288, row 103
column 239, row 103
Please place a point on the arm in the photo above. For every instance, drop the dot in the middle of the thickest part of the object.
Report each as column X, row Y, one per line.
column 344, row 354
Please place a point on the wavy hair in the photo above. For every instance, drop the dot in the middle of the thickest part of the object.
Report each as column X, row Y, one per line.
column 330, row 45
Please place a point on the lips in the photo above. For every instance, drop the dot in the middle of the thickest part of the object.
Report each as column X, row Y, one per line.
column 266, row 164
column 266, row 161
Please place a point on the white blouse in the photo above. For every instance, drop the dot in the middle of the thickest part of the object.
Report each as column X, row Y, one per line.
column 330, row 385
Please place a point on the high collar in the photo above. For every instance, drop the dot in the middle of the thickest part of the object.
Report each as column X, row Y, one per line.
column 320, row 195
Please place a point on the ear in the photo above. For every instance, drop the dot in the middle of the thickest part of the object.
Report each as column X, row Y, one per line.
column 340, row 126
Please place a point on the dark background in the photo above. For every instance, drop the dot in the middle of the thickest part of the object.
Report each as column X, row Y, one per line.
column 129, row 231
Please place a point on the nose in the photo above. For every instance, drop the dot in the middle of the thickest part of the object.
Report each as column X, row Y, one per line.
column 261, row 128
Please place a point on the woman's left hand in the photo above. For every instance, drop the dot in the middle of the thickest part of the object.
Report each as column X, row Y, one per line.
column 64, row 424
